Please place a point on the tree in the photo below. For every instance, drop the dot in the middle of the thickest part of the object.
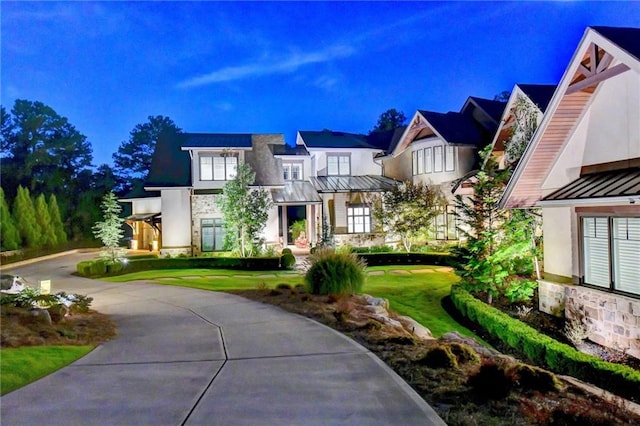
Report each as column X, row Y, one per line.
column 245, row 211
column 109, row 230
column 133, row 159
column 407, row 210
column 56, row 220
column 389, row 120
column 502, row 96
column 25, row 215
column 525, row 115
column 48, row 235
column 9, row 235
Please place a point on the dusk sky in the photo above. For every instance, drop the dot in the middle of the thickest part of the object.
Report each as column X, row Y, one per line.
column 258, row 67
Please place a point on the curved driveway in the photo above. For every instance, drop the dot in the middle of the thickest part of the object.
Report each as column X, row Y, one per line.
column 187, row 356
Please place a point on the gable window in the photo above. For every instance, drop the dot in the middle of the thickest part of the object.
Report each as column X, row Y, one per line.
column 437, row 159
column 611, row 253
column 449, row 158
column 358, row 219
column 218, row 167
column 338, row 165
column 292, row 171
column 428, row 160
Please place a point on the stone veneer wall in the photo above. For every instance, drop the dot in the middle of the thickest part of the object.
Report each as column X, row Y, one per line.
column 202, row 207
column 614, row 320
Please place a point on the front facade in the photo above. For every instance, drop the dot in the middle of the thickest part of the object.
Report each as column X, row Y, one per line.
column 582, row 168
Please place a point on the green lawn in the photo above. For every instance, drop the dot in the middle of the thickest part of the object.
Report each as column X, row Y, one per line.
column 21, row 366
column 415, row 295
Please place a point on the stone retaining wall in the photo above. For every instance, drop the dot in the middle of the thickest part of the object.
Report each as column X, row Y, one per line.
column 614, row 320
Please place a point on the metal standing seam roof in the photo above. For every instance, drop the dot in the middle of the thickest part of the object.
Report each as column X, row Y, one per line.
column 299, row 192
column 368, row 183
column 618, row 183
column 330, row 139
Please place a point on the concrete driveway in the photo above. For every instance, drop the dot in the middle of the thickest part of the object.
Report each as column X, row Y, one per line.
column 187, row 356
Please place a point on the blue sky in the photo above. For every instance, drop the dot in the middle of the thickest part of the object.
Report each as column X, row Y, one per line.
column 279, row 67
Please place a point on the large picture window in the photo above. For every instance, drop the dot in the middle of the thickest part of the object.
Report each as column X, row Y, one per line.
column 212, row 235
column 217, row 167
column 358, row 219
column 611, row 253
column 338, row 165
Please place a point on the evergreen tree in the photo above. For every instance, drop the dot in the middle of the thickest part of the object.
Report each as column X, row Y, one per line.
column 9, row 235
column 25, row 216
column 109, row 230
column 48, row 236
column 56, row 220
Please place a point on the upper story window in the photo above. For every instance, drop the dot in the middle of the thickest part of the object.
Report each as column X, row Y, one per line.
column 292, row 171
column 338, row 165
column 433, row 159
column 437, row 159
column 218, row 167
column 449, row 158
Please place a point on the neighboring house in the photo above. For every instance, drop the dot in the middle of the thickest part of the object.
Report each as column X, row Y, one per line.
column 189, row 170
column 535, row 96
column 440, row 149
column 582, row 167
column 347, row 173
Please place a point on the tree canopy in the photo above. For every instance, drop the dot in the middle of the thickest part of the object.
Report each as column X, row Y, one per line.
column 389, row 120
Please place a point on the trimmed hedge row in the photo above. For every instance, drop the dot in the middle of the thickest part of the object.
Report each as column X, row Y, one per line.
column 543, row 350
column 99, row 267
column 383, row 259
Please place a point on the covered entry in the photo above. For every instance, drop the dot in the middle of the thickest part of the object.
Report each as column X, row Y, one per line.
column 146, row 229
column 297, row 201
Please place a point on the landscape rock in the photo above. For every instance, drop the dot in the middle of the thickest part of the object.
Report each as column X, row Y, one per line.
column 454, row 336
column 42, row 315
column 415, row 328
column 376, row 301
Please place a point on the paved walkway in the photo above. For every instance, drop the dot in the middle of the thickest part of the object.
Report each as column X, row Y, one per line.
column 186, row 356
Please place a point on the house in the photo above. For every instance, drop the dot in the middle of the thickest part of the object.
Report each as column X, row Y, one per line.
column 582, row 168
column 439, row 149
column 347, row 173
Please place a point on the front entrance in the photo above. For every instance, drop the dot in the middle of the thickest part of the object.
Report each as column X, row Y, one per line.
column 212, row 235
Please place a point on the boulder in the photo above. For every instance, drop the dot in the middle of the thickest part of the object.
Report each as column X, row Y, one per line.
column 415, row 328
column 41, row 315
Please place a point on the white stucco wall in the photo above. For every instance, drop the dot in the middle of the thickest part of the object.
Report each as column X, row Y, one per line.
column 560, row 236
column 270, row 233
column 176, row 221
column 146, row 205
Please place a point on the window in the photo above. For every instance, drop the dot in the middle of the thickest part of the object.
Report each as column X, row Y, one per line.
column 218, row 167
column 338, row 165
column 449, row 158
column 428, row 160
column 437, row 159
column 358, row 219
column 292, row 171
column 212, row 235
column 414, row 163
column 445, row 225
column 421, row 161
column 611, row 253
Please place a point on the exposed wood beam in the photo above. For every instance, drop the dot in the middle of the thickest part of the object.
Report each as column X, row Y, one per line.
column 604, row 62
column 597, row 78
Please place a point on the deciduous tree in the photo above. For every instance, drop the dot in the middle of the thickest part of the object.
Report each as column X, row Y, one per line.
column 407, row 211
column 389, row 120
column 245, row 211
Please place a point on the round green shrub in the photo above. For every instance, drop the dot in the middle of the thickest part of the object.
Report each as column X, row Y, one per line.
column 286, row 250
column 287, row 261
column 333, row 273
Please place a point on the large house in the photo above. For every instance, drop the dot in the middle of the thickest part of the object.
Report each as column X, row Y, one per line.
column 582, row 168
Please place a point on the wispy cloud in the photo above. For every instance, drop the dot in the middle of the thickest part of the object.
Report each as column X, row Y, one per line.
column 286, row 65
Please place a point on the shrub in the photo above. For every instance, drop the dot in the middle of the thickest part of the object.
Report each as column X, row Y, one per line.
column 283, row 286
column 98, row 267
column 286, row 250
column 287, row 261
column 439, row 356
column 335, row 273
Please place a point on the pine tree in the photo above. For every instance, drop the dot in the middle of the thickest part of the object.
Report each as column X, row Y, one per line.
column 44, row 220
column 25, row 216
column 56, row 220
column 9, row 235
column 109, row 230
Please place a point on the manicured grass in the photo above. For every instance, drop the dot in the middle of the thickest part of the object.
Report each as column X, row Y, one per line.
column 21, row 366
column 415, row 295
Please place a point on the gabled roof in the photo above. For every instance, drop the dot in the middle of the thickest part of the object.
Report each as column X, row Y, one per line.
column 539, row 94
column 368, row 183
column 288, row 150
column 455, row 128
column 492, row 108
column 139, row 192
column 170, row 165
column 330, row 139
column 386, row 140
column 216, row 140
column 593, row 62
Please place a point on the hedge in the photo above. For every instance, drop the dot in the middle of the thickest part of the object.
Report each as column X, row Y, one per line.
column 383, row 259
column 99, row 267
column 543, row 350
